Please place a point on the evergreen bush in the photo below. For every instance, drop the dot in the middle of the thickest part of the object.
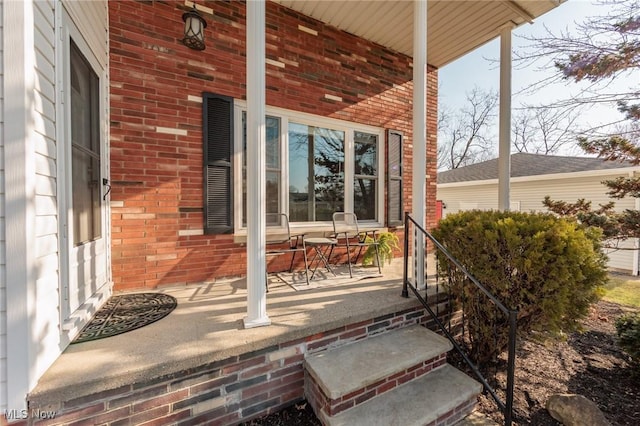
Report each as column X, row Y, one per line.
column 628, row 328
column 548, row 268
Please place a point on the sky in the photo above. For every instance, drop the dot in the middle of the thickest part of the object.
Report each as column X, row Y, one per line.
column 455, row 80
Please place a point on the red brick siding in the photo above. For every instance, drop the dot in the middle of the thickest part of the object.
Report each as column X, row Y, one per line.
column 222, row 392
column 157, row 182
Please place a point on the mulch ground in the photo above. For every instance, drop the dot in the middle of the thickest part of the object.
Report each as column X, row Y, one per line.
column 589, row 363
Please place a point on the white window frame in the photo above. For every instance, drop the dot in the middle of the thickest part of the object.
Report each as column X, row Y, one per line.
column 285, row 116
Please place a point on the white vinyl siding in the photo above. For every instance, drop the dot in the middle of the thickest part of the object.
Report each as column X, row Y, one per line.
column 18, row 62
column 91, row 18
column 622, row 260
column 47, row 316
column 529, row 194
column 3, row 262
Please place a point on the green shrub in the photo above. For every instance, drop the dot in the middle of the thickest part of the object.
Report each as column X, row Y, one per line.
column 628, row 328
column 548, row 268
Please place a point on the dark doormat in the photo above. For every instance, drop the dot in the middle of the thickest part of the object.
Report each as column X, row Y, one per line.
column 125, row 313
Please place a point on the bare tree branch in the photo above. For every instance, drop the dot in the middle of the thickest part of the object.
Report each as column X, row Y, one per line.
column 464, row 136
column 605, row 48
column 600, row 51
column 544, row 130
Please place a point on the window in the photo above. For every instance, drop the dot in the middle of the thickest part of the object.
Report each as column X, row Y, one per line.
column 85, row 149
column 365, row 183
column 316, row 172
column 273, row 161
column 315, row 166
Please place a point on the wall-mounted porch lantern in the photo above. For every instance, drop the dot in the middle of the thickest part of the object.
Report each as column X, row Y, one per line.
column 194, row 26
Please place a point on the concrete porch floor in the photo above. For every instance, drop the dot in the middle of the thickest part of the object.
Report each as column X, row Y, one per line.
column 207, row 326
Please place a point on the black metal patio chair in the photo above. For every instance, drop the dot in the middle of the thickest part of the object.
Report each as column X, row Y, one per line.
column 284, row 242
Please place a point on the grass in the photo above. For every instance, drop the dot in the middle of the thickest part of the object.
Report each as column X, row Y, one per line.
column 623, row 291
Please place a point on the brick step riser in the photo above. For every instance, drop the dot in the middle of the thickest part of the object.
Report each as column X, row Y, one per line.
column 451, row 417
column 322, row 403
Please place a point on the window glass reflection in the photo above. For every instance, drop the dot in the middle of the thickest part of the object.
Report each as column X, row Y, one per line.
column 316, row 172
column 366, row 169
column 272, row 160
column 85, row 150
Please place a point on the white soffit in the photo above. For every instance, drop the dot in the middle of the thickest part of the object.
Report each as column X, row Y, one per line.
column 455, row 27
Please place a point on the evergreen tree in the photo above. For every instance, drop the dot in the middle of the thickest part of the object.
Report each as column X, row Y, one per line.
column 606, row 47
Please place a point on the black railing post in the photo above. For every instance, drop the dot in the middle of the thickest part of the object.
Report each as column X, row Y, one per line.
column 511, row 367
column 505, row 407
column 405, row 290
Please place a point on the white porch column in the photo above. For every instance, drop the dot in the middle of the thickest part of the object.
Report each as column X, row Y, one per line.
column 419, row 188
column 256, row 168
column 504, row 150
column 21, row 342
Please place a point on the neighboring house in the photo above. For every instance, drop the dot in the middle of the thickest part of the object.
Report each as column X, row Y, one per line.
column 122, row 150
column 535, row 176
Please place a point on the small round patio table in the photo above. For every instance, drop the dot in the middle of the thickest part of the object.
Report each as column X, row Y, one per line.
column 322, row 249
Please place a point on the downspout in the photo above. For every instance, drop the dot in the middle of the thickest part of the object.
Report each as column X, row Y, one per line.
column 256, row 167
column 504, row 150
column 419, row 188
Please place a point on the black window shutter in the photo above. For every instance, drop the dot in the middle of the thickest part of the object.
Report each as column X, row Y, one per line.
column 395, row 211
column 218, row 167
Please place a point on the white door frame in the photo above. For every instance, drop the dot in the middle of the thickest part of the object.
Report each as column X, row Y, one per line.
column 73, row 317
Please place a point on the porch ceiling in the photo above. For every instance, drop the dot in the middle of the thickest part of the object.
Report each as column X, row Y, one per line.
column 455, row 27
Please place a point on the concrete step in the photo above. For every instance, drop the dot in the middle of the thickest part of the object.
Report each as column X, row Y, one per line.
column 442, row 397
column 347, row 369
column 396, row 378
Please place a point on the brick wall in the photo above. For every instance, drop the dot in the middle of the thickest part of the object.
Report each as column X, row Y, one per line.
column 156, row 140
column 223, row 392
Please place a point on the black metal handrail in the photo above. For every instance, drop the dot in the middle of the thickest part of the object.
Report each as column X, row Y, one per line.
column 505, row 406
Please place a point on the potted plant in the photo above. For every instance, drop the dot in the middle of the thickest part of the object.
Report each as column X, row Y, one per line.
column 387, row 243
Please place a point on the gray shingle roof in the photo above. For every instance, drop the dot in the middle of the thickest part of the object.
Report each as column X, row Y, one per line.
column 523, row 164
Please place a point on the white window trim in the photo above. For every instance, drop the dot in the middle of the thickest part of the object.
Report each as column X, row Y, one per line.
column 286, row 116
